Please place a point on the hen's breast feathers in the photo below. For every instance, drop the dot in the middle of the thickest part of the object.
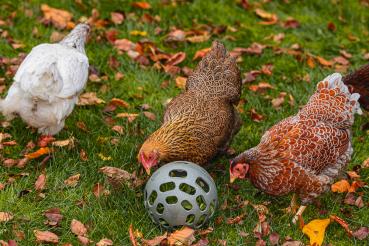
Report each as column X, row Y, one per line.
column 52, row 71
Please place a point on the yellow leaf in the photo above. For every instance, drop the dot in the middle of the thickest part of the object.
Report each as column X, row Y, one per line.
column 38, row 153
column 138, row 33
column 105, row 158
column 315, row 231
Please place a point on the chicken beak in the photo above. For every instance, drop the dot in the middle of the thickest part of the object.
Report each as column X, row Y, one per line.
column 148, row 171
column 232, row 178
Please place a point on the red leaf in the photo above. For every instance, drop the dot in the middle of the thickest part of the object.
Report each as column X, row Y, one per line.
column 141, row 5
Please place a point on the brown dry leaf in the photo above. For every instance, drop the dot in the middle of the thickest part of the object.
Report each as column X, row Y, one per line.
column 236, row 220
column 355, row 185
column 53, row 216
column 5, row 216
column 119, row 129
column 176, row 59
column 63, row 143
column 270, row 18
column 341, row 60
column 72, row 181
column 291, row 23
column 310, row 61
column 40, row 182
column 132, row 237
column 78, row 228
column 342, row 223
column 361, row 233
column 198, row 38
column 353, row 174
column 56, row 37
column 117, row 18
column 89, row 98
column 119, row 102
column 104, row 242
column 256, row 116
column 181, row 82
column 45, row 237
column 365, row 163
column 201, row 53
column 38, row 153
column 176, row 35
column 274, row 238
column 331, row 26
column 119, row 176
column 58, row 17
column 84, row 240
column 341, row 186
column 261, row 87
column 359, row 202
column 141, row 5
column 124, row 44
column 98, row 190
column 149, row 115
column 315, row 230
column 184, row 236
column 155, row 241
column 277, row 102
column 324, row 62
column 131, row 117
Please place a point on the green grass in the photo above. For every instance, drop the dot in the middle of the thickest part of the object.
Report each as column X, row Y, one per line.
column 111, row 216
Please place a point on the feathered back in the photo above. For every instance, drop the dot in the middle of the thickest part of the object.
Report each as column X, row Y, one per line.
column 332, row 103
column 359, row 80
column 217, row 76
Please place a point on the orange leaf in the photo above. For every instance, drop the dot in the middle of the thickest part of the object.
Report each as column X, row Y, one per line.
column 310, row 62
column 132, row 237
column 341, row 186
column 324, row 62
column 183, row 236
column 342, row 223
column 38, row 153
column 119, row 102
column 355, row 185
column 201, row 53
column 58, row 17
column 181, row 82
column 141, row 5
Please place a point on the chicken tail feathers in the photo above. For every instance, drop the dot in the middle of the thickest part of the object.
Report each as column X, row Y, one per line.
column 217, row 75
column 358, row 81
column 332, row 103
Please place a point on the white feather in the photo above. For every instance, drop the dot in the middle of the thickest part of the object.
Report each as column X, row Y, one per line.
column 46, row 86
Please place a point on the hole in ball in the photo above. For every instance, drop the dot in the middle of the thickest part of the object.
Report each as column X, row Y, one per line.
column 167, row 186
column 201, row 220
column 160, row 208
column 190, row 218
column 153, row 197
column 171, row 199
column 203, row 184
column 178, row 173
column 201, row 202
column 186, row 205
column 163, row 222
column 186, row 188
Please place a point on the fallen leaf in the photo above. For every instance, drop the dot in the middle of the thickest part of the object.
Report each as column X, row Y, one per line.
column 117, row 18
column 53, row 216
column 366, row 56
column 5, row 216
column 310, row 61
column 176, row 35
column 359, row 202
column 155, row 241
column 141, row 5
column 355, row 185
column 72, row 181
column 149, row 115
column 274, row 238
column 124, row 44
column 119, row 176
column 349, row 199
column 138, row 33
column 129, row 116
column 341, row 60
column 45, row 237
column 132, row 237
column 40, row 182
column 38, row 153
column 119, row 102
column 98, row 190
column 184, row 236
column 331, row 26
column 256, row 116
column 104, row 158
column 201, row 53
column 261, row 87
column 118, row 129
column 198, row 38
column 277, row 102
column 293, row 243
column 236, row 220
column 84, row 240
column 315, row 230
column 181, row 82
column 176, row 58
column 89, row 98
column 78, row 228
column 291, row 23
column 324, row 62
column 63, row 143
column 365, row 163
column 104, row 242
column 269, row 17
column 56, row 37
column 342, row 223
column 362, row 233
column 58, row 17
column 341, row 186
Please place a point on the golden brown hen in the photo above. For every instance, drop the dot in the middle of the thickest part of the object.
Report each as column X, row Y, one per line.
column 306, row 152
column 200, row 122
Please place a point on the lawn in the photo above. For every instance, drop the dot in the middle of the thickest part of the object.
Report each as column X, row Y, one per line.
column 320, row 29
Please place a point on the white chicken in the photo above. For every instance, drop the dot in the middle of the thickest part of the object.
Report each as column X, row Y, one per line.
column 48, row 82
